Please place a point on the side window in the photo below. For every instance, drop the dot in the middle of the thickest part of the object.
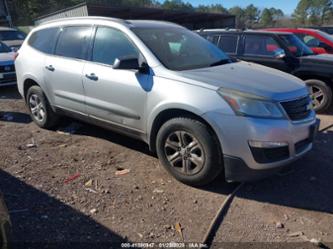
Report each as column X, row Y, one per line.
column 261, row 45
column 213, row 39
column 311, row 41
column 73, row 42
column 229, row 43
column 111, row 44
column 44, row 40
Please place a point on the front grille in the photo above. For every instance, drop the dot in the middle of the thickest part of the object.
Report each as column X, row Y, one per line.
column 270, row 155
column 8, row 78
column 7, row 68
column 298, row 109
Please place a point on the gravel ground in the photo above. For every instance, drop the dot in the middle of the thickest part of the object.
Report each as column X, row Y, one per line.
column 82, row 184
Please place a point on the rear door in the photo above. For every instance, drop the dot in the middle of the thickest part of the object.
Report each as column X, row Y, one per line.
column 261, row 49
column 63, row 70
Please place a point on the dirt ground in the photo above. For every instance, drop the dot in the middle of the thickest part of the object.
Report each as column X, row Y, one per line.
column 62, row 186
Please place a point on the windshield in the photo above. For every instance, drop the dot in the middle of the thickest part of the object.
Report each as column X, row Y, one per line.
column 4, row 48
column 10, row 35
column 296, row 46
column 180, row 49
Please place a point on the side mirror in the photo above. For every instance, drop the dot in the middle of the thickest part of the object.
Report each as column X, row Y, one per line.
column 280, row 53
column 130, row 63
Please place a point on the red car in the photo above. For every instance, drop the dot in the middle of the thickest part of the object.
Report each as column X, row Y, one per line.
column 319, row 41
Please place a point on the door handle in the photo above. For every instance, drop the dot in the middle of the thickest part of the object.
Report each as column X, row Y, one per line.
column 92, row 76
column 50, row 68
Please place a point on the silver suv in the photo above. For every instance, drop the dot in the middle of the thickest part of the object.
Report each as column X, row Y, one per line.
column 202, row 112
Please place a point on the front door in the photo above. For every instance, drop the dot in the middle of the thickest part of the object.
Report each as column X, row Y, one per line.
column 115, row 96
column 262, row 49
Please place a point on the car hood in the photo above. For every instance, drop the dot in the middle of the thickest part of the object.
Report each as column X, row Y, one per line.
column 7, row 58
column 246, row 77
column 318, row 59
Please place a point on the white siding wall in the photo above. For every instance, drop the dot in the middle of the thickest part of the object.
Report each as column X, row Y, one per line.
column 79, row 11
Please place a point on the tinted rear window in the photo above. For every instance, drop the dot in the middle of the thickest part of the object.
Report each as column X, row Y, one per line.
column 228, row 43
column 73, row 42
column 44, row 40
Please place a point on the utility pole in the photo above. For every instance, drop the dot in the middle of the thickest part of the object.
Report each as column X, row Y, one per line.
column 9, row 17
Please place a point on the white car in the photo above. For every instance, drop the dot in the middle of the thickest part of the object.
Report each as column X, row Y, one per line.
column 7, row 68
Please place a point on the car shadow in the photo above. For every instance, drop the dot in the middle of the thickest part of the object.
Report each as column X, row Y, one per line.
column 9, row 92
column 15, row 117
column 306, row 186
column 42, row 221
column 89, row 130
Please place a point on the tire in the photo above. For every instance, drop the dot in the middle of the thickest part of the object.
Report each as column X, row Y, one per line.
column 199, row 160
column 321, row 94
column 40, row 109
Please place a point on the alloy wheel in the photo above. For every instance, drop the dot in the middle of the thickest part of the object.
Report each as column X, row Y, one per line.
column 37, row 108
column 184, row 152
column 317, row 95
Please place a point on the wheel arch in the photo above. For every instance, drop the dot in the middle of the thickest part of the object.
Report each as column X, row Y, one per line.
column 171, row 113
column 31, row 81
column 307, row 76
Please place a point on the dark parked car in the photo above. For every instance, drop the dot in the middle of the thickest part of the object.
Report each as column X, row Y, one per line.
column 4, row 224
column 283, row 51
column 327, row 29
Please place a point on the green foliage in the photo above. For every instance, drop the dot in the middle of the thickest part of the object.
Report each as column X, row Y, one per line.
column 313, row 12
column 240, row 16
column 213, row 8
column 269, row 17
column 177, row 5
column 308, row 12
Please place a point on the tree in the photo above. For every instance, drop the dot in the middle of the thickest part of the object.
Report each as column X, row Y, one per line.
column 269, row 17
column 266, row 18
column 240, row 16
column 177, row 5
column 313, row 12
column 251, row 14
column 213, row 8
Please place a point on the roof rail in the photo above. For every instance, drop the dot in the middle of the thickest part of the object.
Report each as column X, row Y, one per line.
column 86, row 18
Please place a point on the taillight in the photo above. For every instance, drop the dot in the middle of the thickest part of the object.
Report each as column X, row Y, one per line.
column 16, row 55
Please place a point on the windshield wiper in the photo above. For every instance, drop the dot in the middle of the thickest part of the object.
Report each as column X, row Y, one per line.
column 220, row 62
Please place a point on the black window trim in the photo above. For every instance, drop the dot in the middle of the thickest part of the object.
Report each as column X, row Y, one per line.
column 91, row 26
column 237, row 42
column 92, row 45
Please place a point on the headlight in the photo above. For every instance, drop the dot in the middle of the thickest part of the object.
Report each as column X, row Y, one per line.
column 245, row 104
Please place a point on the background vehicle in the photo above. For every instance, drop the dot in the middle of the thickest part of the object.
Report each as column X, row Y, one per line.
column 7, row 68
column 168, row 86
column 282, row 51
column 319, row 41
column 4, row 224
column 326, row 29
column 13, row 38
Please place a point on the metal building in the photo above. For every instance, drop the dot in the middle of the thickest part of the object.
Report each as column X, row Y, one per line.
column 5, row 18
column 189, row 19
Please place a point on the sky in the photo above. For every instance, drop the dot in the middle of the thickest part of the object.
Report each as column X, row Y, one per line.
column 287, row 6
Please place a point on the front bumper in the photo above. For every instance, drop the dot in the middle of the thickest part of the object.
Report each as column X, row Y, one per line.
column 235, row 132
